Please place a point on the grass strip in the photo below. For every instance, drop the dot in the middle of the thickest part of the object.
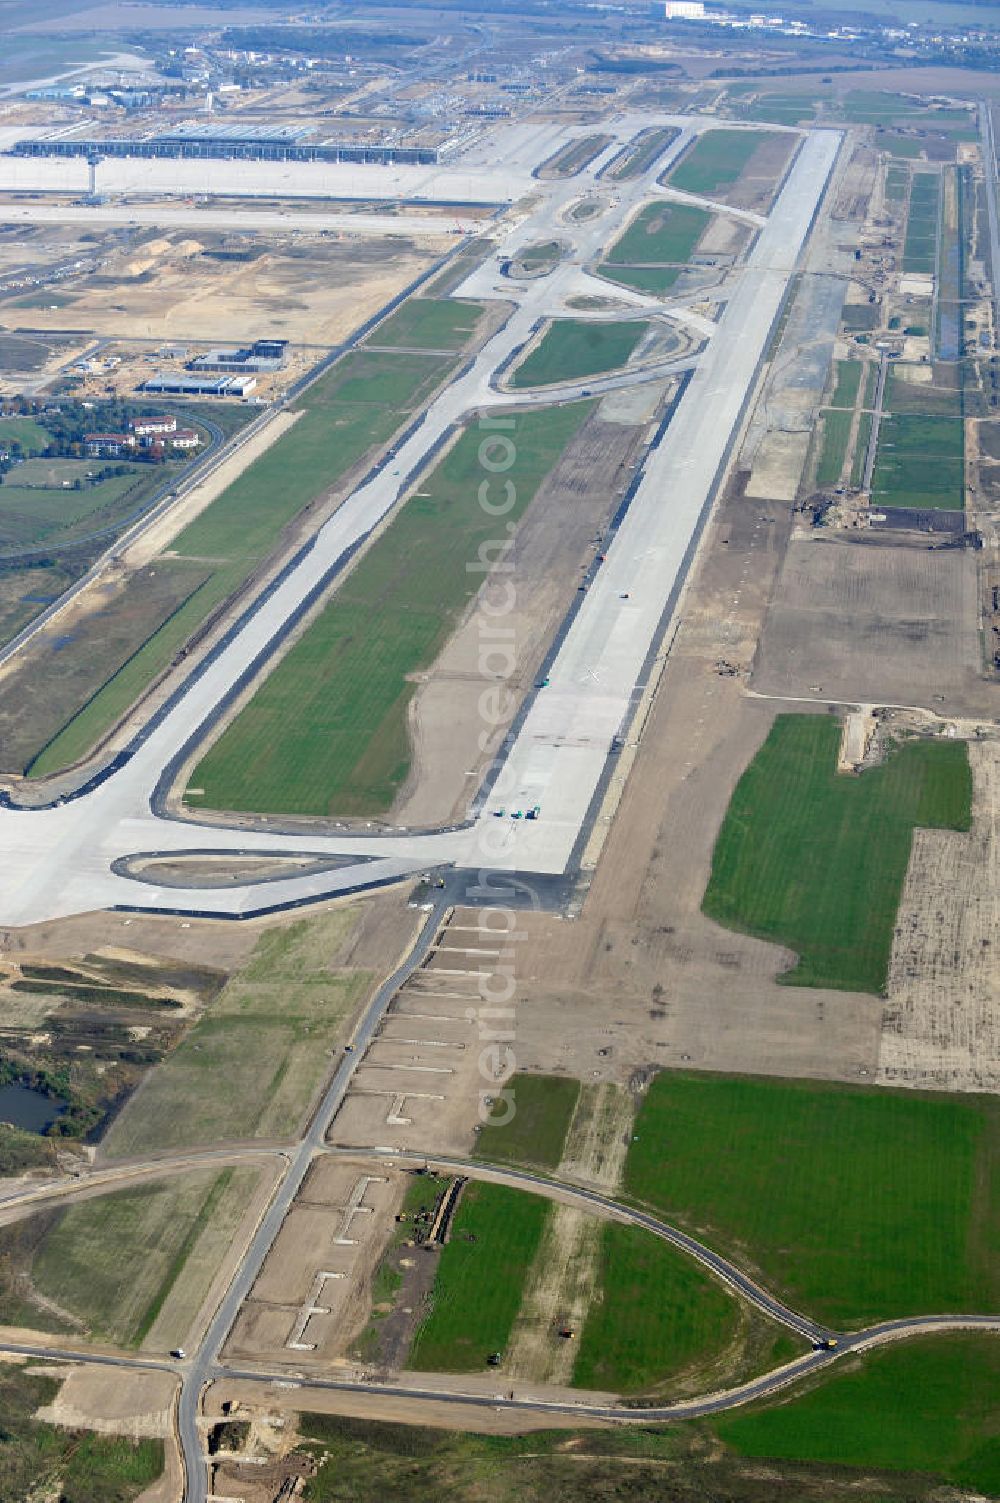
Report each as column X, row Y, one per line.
column 328, row 729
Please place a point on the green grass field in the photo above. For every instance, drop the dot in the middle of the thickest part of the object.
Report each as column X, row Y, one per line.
column 652, row 279
column 572, row 348
column 847, row 383
column 114, row 1261
column 861, row 448
column 656, row 1314
column 74, row 1466
column 31, row 436
column 920, row 462
column 920, row 244
column 857, row 1204
column 815, row 860
column 365, row 1459
column 897, row 181
column 928, row 1406
column 252, row 1064
column 426, row 323
column 327, row 730
column 477, row 1291
column 716, row 161
column 661, row 232
column 543, row 1110
column 833, row 450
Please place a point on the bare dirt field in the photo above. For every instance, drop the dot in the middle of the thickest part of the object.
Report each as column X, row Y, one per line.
column 313, row 1294
column 308, row 288
column 875, row 624
column 640, row 978
column 418, row 1084
column 551, row 543
column 95, row 1399
column 942, row 1018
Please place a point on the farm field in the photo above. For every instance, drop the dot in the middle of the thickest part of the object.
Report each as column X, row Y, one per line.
column 543, row 1110
column 112, row 1262
column 937, row 398
column 897, row 181
column 815, row 860
column 657, row 1316
column 327, row 730
column 715, row 161
column 83, row 1466
column 925, row 1406
column 660, row 233
column 482, row 1271
column 856, row 1204
column 920, row 462
column 355, row 407
column 833, row 450
column 920, row 245
column 250, row 1067
column 571, row 348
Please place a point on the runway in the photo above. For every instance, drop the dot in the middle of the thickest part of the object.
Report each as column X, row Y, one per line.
column 59, row 860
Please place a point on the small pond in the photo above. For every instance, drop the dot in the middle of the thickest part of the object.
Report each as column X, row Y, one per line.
column 30, row 1110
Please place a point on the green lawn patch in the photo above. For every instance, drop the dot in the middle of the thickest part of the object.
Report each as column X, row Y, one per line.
column 652, row 279
column 572, row 348
column 660, row 232
column 815, row 860
column 716, row 160
column 427, row 323
column 927, row 1406
column 480, row 1279
column 858, row 1204
column 836, row 434
column 26, row 432
column 656, row 1313
column 543, row 1110
column 327, row 730
column 848, row 382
